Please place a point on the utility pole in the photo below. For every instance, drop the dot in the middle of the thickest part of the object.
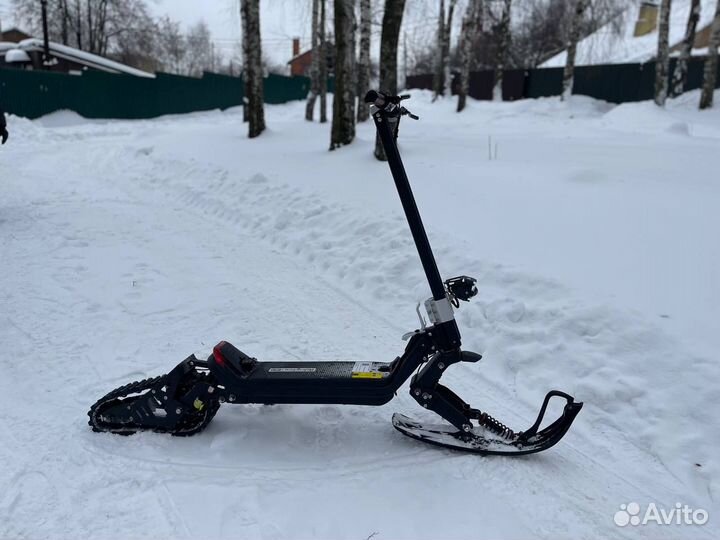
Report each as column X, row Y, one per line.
column 46, row 38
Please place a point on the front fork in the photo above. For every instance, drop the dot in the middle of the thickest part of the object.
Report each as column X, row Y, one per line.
column 426, row 390
column 425, row 387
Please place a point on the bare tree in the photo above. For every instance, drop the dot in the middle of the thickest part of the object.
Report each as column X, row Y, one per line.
column 323, row 64
column 389, row 40
column 343, row 121
column 315, row 65
column 447, row 81
column 441, row 76
column 439, row 70
column 472, row 22
column 504, row 37
column 363, row 66
column 98, row 25
column 711, row 64
column 681, row 68
column 253, row 69
column 573, row 38
column 172, row 45
column 662, row 62
column 199, row 55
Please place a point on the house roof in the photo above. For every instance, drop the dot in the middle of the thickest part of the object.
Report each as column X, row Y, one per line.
column 615, row 43
column 329, row 46
column 14, row 30
column 298, row 56
column 82, row 57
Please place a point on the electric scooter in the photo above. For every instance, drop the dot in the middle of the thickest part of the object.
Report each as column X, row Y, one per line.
column 184, row 401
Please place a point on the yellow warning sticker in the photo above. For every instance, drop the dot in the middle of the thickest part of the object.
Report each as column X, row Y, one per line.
column 365, row 370
column 367, row 375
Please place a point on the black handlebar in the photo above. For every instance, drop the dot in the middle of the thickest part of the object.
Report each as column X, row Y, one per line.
column 381, row 100
column 389, row 103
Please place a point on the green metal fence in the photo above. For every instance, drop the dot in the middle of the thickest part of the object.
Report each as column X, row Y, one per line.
column 616, row 83
column 96, row 94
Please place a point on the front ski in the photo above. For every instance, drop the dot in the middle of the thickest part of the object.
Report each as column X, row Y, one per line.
column 491, row 437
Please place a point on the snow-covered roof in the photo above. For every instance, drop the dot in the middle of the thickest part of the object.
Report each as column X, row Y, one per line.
column 7, row 45
column 16, row 55
column 82, row 57
column 615, row 43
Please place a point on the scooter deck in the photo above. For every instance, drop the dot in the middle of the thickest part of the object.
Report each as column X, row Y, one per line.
column 248, row 381
column 320, row 370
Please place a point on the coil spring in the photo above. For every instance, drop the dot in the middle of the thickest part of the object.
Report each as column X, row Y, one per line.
column 494, row 425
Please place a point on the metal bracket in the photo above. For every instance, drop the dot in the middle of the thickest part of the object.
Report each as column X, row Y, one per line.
column 439, row 311
column 423, row 324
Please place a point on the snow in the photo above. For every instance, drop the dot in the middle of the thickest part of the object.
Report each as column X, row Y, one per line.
column 127, row 246
column 615, row 42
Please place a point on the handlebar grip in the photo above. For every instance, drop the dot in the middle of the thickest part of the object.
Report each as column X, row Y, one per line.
column 371, row 96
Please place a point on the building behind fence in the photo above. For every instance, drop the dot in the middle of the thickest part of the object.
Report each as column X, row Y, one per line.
column 616, row 83
column 96, row 94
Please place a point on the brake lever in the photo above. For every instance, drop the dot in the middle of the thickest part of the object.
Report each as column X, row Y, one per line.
column 405, row 112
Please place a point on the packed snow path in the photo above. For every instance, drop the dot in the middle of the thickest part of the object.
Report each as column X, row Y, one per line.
column 127, row 246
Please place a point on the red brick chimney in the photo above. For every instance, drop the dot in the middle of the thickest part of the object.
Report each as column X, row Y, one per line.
column 296, row 47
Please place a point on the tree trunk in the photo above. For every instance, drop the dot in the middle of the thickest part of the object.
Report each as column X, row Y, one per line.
column 711, row 64
column 363, row 67
column 438, row 84
column 245, row 48
column 503, row 49
column 447, row 78
column 343, row 121
column 65, row 14
column 392, row 20
column 78, row 25
column 323, row 65
column 472, row 21
column 315, row 66
column 662, row 62
column 573, row 38
column 681, row 68
column 253, row 73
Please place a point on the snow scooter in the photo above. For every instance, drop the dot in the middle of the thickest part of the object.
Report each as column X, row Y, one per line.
column 184, row 401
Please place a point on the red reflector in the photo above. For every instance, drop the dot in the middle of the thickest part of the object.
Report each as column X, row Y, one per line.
column 219, row 358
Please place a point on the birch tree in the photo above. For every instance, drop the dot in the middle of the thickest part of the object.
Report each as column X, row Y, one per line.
column 323, row 64
column 343, row 120
column 471, row 24
column 573, row 38
column 711, row 64
column 439, row 71
column 441, row 76
column 503, row 48
column 253, row 69
column 681, row 68
column 447, row 80
column 662, row 62
column 363, row 65
column 315, row 65
column 389, row 40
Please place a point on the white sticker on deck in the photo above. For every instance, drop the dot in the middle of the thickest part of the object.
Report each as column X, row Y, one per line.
column 362, row 367
column 292, row 370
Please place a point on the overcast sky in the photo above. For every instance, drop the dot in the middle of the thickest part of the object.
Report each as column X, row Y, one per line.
column 280, row 20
